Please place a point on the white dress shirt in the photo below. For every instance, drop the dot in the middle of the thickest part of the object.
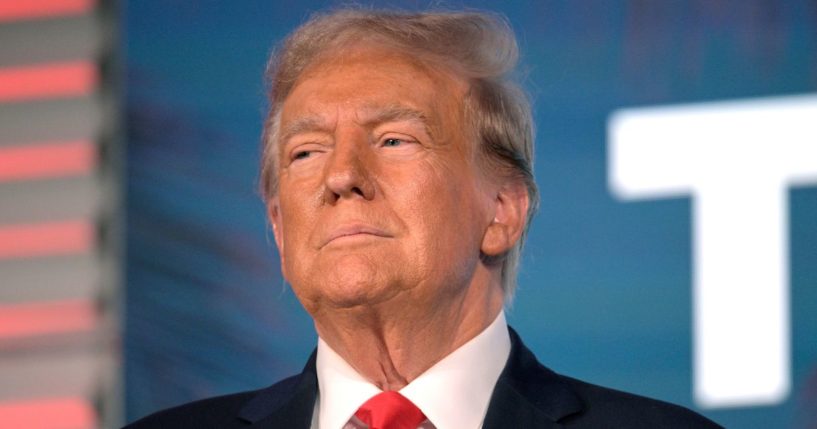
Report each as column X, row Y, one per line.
column 453, row 394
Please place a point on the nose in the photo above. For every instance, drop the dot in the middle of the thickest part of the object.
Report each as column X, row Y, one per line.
column 348, row 172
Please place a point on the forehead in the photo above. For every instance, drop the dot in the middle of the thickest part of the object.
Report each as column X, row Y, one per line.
column 367, row 80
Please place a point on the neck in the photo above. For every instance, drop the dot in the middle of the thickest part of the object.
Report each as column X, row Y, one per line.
column 392, row 343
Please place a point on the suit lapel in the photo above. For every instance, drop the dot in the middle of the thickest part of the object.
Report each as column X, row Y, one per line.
column 286, row 404
column 528, row 395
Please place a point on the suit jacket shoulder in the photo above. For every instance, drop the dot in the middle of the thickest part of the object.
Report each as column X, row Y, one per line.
column 218, row 412
column 530, row 395
column 286, row 404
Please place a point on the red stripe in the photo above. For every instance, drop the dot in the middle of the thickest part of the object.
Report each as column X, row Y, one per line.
column 54, row 238
column 47, row 80
column 13, row 10
column 60, row 317
column 44, row 160
column 50, row 413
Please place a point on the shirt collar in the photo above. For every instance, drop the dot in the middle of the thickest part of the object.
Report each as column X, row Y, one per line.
column 341, row 390
column 454, row 393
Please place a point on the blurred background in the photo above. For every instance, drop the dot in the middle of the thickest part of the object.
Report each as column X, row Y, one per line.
column 137, row 271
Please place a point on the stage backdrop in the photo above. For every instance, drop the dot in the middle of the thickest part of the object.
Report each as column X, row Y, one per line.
column 606, row 289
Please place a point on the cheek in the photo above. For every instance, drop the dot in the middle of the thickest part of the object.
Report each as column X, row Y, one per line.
column 422, row 193
column 297, row 217
column 445, row 206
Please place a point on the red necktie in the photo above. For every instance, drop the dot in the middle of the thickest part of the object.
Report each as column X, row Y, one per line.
column 390, row 410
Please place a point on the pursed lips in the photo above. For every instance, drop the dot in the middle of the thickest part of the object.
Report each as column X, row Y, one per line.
column 354, row 230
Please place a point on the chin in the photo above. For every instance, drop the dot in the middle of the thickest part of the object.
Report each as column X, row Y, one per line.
column 356, row 293
column 331, row 296
column 348, row 278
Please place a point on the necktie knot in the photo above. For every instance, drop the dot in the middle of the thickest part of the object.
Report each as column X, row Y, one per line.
column 390, row 410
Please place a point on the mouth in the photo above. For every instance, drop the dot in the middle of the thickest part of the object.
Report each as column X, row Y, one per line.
column 354, row 232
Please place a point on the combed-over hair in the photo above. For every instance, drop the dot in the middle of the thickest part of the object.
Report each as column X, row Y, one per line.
column 477, row 47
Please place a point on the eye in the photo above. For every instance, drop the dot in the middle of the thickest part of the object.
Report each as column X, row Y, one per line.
column 305, row 151
column 396, row 144
column 302, row 154
column 392, row 142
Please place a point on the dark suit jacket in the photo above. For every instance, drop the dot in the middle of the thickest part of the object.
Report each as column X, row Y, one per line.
column 527, row 395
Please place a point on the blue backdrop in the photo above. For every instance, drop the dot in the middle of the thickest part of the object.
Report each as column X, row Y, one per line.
column 605, row 289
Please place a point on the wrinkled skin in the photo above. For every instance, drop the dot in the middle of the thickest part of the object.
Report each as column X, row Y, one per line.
column 382, row 213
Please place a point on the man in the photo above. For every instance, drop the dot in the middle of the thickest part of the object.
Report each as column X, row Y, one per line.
column 397, row 172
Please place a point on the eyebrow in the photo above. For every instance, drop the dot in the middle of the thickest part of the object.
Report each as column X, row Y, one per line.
column 303, row 124
column 371, row 116
column 375, row 115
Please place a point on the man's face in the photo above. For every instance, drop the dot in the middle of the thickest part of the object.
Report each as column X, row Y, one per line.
column 379, row 196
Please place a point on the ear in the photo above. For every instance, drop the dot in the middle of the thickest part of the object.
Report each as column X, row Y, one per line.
column 511, row 210
column 274, row 216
